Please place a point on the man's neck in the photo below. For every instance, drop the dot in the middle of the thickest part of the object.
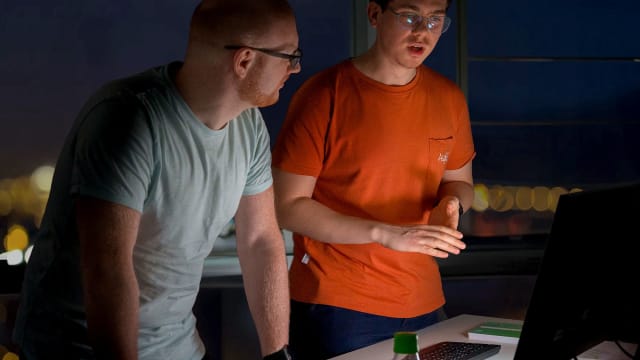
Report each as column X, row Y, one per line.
column 382, row 70
column 212, row 101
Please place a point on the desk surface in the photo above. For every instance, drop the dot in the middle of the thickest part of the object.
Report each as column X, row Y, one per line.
column 453, row 329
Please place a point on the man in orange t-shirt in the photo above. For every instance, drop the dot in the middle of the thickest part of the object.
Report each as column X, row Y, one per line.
column 368, row 148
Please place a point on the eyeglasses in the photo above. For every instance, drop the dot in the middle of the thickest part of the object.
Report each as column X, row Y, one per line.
column 294, row 59
column 436, row 23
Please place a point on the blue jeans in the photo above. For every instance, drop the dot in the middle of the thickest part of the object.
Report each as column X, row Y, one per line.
column 320, row 332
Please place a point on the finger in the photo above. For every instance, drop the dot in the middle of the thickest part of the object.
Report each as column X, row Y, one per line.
column 433, row 230
column 453, row 242
column 434, row 248
column 452, row 247
column 443, row 239
column 427, row 250
column 452, row 208
column 436, row 252
column 449, row 243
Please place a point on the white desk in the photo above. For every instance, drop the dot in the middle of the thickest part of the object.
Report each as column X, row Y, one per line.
column 453, row 329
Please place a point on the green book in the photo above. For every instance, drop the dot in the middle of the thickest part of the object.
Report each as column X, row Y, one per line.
column 501, row 332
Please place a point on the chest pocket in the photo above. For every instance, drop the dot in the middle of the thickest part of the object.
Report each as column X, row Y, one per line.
column 439, row 152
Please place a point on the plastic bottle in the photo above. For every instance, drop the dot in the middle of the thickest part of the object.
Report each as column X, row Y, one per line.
column 405, row 346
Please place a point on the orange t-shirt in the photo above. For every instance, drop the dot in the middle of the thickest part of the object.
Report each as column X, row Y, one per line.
column 378, row 152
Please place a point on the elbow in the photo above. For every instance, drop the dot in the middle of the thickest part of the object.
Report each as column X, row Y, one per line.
column 286, row 210
column 282, row 213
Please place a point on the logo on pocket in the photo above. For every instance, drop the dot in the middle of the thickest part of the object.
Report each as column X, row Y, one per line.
column 443, row 157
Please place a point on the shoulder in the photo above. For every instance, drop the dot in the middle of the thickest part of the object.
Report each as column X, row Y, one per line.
column 117, row 110
column 129, row 89
column 249, row 124
column 329, row 77
column 342, row 68
column 322, row 86
column 432, row 75
column 128, row 96
column 251, row 117
column 435, row 79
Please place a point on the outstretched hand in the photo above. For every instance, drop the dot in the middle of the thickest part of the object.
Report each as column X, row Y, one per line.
column 435, row 240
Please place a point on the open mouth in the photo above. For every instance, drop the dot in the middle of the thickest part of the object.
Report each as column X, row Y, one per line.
column 416, row 49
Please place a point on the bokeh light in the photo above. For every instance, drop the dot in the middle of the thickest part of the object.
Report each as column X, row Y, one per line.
column 541, row 198
column 524, row 198
column 481, row 198
column 16, row 238
column 554, row 196
column 41, row 178
column 501, row 198
column 10, row 356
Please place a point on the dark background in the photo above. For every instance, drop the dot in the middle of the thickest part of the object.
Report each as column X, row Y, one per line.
column 552, row 86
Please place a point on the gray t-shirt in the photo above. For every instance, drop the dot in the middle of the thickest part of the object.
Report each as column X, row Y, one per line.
column 137, row 143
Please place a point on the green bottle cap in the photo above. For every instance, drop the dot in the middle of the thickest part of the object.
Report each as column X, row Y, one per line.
column 405, row 342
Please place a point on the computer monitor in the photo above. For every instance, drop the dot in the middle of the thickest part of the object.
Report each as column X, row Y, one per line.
column 587, row 288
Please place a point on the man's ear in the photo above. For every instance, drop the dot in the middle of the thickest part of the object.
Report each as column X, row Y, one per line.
column 242, row 61
column 373, row 11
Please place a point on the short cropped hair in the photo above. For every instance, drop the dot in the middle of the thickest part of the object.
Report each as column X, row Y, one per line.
column 236, row 21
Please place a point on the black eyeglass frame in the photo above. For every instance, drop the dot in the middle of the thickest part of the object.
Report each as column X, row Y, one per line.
column 294, row 59
column 446, row 21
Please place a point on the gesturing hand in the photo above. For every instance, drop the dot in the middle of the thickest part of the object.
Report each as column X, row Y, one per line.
column 435, row 240
column 446, row 213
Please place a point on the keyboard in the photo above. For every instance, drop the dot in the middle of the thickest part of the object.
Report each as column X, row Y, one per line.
column 452, row 350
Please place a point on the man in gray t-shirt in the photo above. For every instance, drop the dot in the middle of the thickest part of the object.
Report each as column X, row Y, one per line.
column 153, row 168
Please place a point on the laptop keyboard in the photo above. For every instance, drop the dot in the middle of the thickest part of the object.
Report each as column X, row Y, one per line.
column 451, row 350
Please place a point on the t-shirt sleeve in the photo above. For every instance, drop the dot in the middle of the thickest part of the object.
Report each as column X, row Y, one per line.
column 300, row 144
column 464, row 149
column 113, row 153
column 259, row 177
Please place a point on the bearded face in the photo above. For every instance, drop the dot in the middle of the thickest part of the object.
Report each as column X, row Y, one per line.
column 257, row 87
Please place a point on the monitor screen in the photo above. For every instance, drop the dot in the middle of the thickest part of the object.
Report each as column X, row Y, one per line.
column 586, row 290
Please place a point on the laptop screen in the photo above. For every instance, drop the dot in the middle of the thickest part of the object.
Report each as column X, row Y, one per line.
column 587, row 286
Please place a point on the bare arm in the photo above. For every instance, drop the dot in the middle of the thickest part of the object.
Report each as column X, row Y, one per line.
column 298, row 212
column 107, row 234
column 264, row 269
column 456, row 188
